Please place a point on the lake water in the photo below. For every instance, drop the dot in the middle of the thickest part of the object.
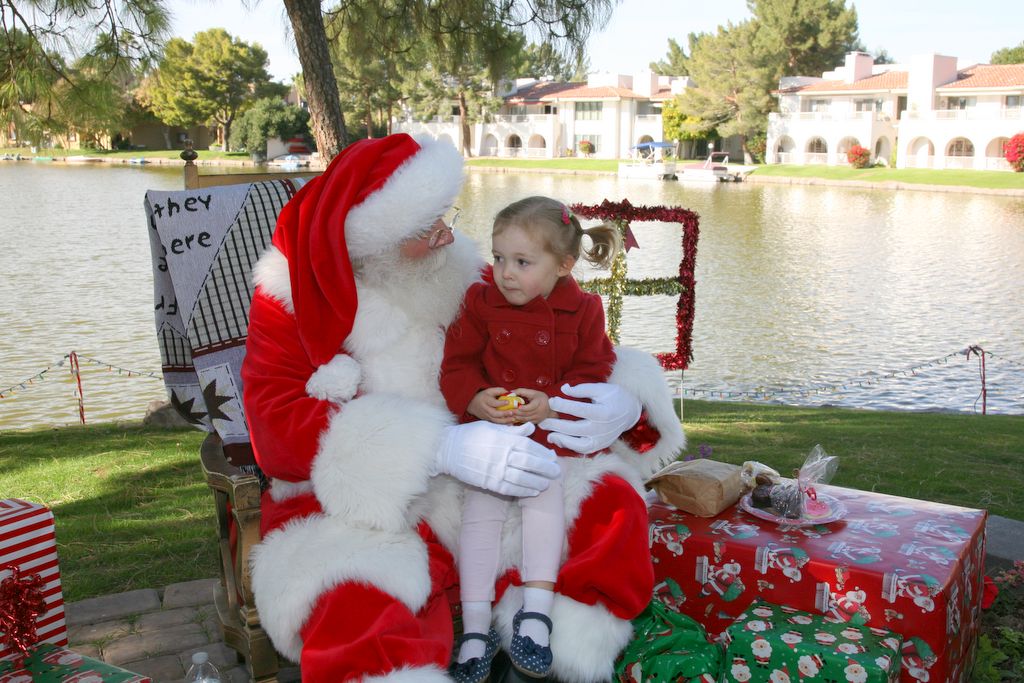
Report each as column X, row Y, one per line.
column 806, row 295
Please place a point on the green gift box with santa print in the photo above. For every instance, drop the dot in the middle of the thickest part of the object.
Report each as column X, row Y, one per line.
column 771, row 643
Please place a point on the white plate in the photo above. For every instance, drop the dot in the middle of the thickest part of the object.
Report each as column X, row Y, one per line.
column 834, row 510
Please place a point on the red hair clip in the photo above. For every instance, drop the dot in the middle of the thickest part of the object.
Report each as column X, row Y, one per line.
column 565, row 215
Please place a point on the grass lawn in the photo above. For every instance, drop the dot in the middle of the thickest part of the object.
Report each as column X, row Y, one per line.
column 133, row 510
column 204, row 154
column 923, row 176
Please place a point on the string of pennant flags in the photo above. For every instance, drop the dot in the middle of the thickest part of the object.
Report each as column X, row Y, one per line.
column 861, row 381
column 74, row 360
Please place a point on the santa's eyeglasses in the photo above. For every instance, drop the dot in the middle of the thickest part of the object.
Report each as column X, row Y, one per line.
column 452, row 217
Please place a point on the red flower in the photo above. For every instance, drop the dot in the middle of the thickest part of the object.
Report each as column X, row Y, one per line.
column 989, row 593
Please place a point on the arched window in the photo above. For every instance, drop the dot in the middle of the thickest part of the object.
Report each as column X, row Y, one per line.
column 960, row 147
column 817, row 146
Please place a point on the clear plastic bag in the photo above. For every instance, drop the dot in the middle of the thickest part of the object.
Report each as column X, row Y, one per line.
column 796, row 501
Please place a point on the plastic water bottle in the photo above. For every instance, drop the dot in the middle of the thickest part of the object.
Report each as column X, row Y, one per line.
column 202, row 670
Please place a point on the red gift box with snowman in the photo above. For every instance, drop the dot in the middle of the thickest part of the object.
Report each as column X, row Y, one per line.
column 894, row 563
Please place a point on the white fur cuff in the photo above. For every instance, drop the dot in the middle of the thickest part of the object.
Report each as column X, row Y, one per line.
column 585, row 640
column 336, row 380
column 640, row 373
column 375, row 459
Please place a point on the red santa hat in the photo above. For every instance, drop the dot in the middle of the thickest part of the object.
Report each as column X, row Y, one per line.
column 372, row 196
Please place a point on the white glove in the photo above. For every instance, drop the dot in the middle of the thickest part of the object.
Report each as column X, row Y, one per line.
column 497, row 458
column 613, row 411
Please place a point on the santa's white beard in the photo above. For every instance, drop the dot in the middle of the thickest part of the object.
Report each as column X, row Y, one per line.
column 405, row 305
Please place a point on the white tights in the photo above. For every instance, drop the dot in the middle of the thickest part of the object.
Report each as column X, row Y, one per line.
column 483, row 514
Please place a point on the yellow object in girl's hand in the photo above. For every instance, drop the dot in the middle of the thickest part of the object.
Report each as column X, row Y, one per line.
column 510, row 401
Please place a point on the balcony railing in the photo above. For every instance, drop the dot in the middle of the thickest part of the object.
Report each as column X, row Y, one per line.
column 970, row 114
column 523, row 118
column 815, row 157
column 523, row 152
column 784, row 157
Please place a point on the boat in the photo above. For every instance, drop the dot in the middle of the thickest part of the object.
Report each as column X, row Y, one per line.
column 138, row 160
column 650, row 160
column 289, row 162
column 714, row 169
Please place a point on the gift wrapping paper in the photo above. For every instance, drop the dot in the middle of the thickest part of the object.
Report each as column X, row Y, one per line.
column 895, row 563
column 51, row 664
column 780, row 644
column 28, row 540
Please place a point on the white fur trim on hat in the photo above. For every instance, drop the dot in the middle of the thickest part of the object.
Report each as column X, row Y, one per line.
column 375, row 458
column 293, row 566
column 270, row 274
column 640, row 373
column 585, row 640
column 336, row 380
column 416, row 194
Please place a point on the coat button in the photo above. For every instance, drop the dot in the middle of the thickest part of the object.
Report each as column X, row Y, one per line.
column 543, row 381
column 504, row 336
column 543, row 338
column 508, row 376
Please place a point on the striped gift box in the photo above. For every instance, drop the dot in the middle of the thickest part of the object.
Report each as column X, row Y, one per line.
column 28, row 540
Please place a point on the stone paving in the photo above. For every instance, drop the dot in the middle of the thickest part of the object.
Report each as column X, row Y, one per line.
column 154, row 632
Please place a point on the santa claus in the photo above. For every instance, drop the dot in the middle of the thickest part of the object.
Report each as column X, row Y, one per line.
column 347, row 326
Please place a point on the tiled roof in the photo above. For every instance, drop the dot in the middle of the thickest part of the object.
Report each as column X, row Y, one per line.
column 547, row 92
column 989, row 76
column 887, row 80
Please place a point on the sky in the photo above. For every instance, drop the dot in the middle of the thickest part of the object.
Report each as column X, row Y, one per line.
column 639, row 30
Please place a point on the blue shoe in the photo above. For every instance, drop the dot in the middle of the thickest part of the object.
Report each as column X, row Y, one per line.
column 475, row 669
column 528, row 657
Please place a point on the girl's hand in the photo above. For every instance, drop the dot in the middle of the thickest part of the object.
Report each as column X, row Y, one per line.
column 535, row 409
column 486, row 406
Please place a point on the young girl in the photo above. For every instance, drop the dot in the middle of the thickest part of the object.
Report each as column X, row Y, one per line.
column 528, row 331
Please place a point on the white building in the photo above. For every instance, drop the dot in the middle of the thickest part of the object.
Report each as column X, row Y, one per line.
column 932, row 114
column 544, row 120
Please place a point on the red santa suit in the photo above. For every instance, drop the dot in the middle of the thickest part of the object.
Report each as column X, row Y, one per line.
column 541, row 345
column 341, row 395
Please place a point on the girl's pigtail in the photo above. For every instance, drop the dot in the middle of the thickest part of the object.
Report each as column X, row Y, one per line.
column 606, row 243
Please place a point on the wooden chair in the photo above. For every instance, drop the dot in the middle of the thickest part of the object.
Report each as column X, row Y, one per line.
column 236, row 497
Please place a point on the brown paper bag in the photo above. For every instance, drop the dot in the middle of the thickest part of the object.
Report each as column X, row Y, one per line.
column 700, row 487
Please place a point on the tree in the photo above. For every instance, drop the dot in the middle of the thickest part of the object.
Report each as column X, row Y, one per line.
column 802, row 37
column 213, row 79
column 1009, row 55
column 732, row 94
column 1013, row 150
column 38, row 40
column 267, row 118
column 369, row 68
column 462, row 68
column 676, row 125
column 676, row 63
column 545, row 60
column 560, row 20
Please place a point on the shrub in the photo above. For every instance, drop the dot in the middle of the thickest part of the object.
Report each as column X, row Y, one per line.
column 1014, row 152
column 586, row 147
column 859, row 157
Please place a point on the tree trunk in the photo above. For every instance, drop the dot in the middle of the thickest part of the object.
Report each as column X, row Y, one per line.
column 326, row 119
column 467, row 145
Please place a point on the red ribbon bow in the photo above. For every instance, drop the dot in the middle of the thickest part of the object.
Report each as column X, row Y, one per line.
column 21, row 601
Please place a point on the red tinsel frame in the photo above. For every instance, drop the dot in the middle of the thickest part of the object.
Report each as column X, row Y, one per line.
column 21, row 601
column 625, row 212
